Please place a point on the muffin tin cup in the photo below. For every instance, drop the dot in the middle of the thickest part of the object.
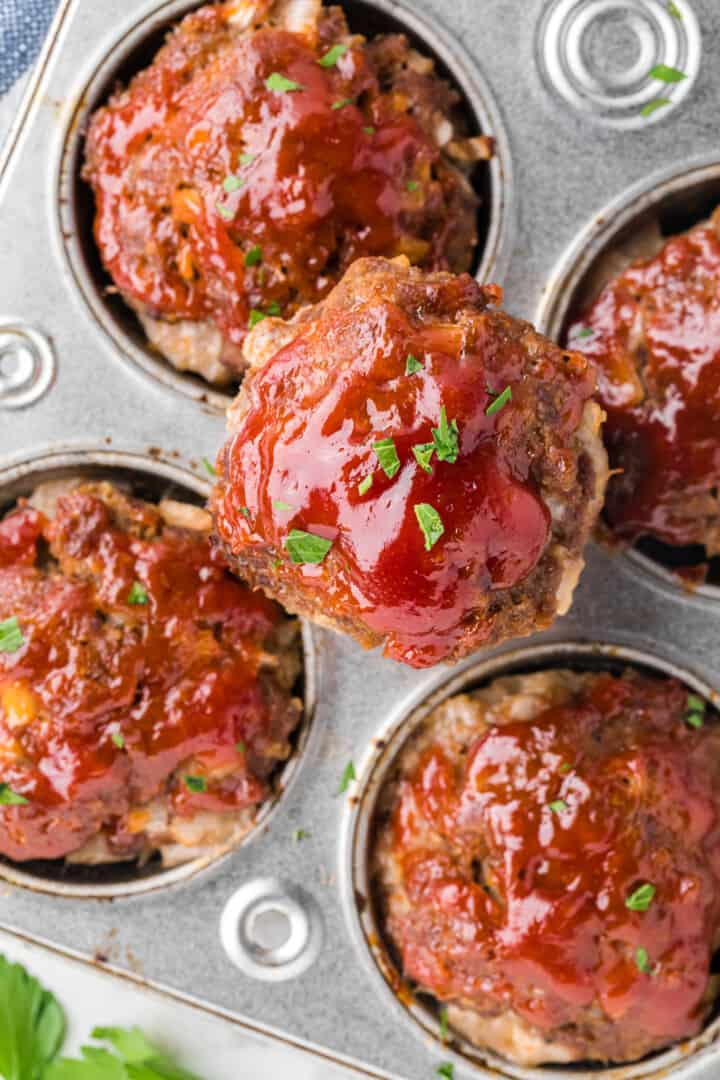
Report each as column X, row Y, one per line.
column 78, row 389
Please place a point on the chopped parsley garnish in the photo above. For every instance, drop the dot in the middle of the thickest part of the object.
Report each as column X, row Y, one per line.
column 365, row 485
column 118, row 739
column 412, row 185
column 423, row 454
column 244, row 511
column 8, row 797
column 653, row 106
column 558, row 807
column 430, row 522
column 278, row 504
column 253, row 256
column 642, row 960
column 11, row 636
column 412, row 364
column 347, row 778
column 565, row 767
column 300, row 834
column 209, row 467
column 444, row 1026
column 674, row 10
column 586, row 331
column 138, row 594
column 247, row 159
column 387, row 456
column 240, row 747
column 641, row 898
column 342, row 103
column 500, row 402
column 281, row 84
column 369, row 130
column 332, row 56
column 273, row 308
column 445, row 439
column 256, row 316
column 225, row 213
column 305, row 547
column 196, row 783
column 232, row 183
column 695, row 715
column 447, row 1070
column 667, row 74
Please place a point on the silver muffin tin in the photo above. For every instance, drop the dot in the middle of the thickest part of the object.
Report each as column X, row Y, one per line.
column 279, row 935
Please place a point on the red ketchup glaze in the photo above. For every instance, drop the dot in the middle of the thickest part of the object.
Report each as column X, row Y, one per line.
column 661, row 317
column 176, row 677
column 554, row 935
column 320, row 191
column 307, row 439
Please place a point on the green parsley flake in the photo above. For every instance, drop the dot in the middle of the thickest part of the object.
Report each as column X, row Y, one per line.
column 343, row 103
column 347, row 778
column 256, row 316
column 387, row 456
column 423, row 454
column 118, row 739
column 365, row 485
column 196, row 783
column 667, row 74
column 412, row 185
column 565, row 767
column 586, row 332
column 653, row 106
column 444, row 1025
column 500, row 402
column 447, row 1070
column 674, row 10
column 641, row 898
column 445, row 439
column 253, row 256
column 696, row 704
column 695, row 719
column 642, row 960
column 332, row 56
column 244, row 511
column 8, row 797
column 247, row 159
column 305, row 547
column 273, row 308
column 232, row 183
column 412, row 364
column 281, row 84
column 240, row 747
column 224, row 212
column 138, row 594
column 558, row 807
column 430, row 522
column 11, row 636
column 209, row 467
column 300, row 834
column 369, row 130
column 278, row 504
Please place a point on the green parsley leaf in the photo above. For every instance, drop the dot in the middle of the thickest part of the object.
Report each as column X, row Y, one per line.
column 667, row 74
column 423, row 453
column 674, row 10
column 240, row 747
column 365, row 485
column 369, row 130
column 137, row 594
column 444, row 1025
column 10, row 798
column 500, row 402
column 347, row 778
column 137, row 1059
column 342, row 103
column 244, row 511
column 642, row 960
column 247, row 159
column 278, row 504
column 387, row 456
column 256, row 316
column 118, row 739
column 565, row 767
column 225, row 213
column 445, row 438
column 232, row 183
column 300, row 834
column 653, row 106
column 694, row 720
column 447, row 1070
column 273, row 308
column 305, row 547
column 412, row 185
column 412, row 365
column 280, row 84
column 430, row 522
column 332, row 56
column 196, row 783
column 209, row 467
column 586, row 331
column 11, row 636
column 558, row 806
column 32, row 1024
column 253, row 256
column 695, row 703
column 641, row 898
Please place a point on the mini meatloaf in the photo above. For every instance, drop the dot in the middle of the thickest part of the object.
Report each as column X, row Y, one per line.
column 654, row 333
column 411, row 467
column 263, row 151
column 547, row 862
column 145, row 694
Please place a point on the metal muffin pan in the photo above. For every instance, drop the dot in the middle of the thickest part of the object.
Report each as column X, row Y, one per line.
column 85, row 391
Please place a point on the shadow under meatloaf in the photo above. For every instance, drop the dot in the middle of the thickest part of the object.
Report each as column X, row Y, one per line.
column 341, row 365
column 546, row 860
column 220, row 199
column 649, row 323
column 149, row 704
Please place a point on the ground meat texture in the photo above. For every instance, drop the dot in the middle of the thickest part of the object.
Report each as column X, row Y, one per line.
column 145, row 696
column 547, row 859
column 654, row 333
column 262, row 152
column 514, row 488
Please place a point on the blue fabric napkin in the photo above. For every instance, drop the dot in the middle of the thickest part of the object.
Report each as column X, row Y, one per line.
column 23, row 25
